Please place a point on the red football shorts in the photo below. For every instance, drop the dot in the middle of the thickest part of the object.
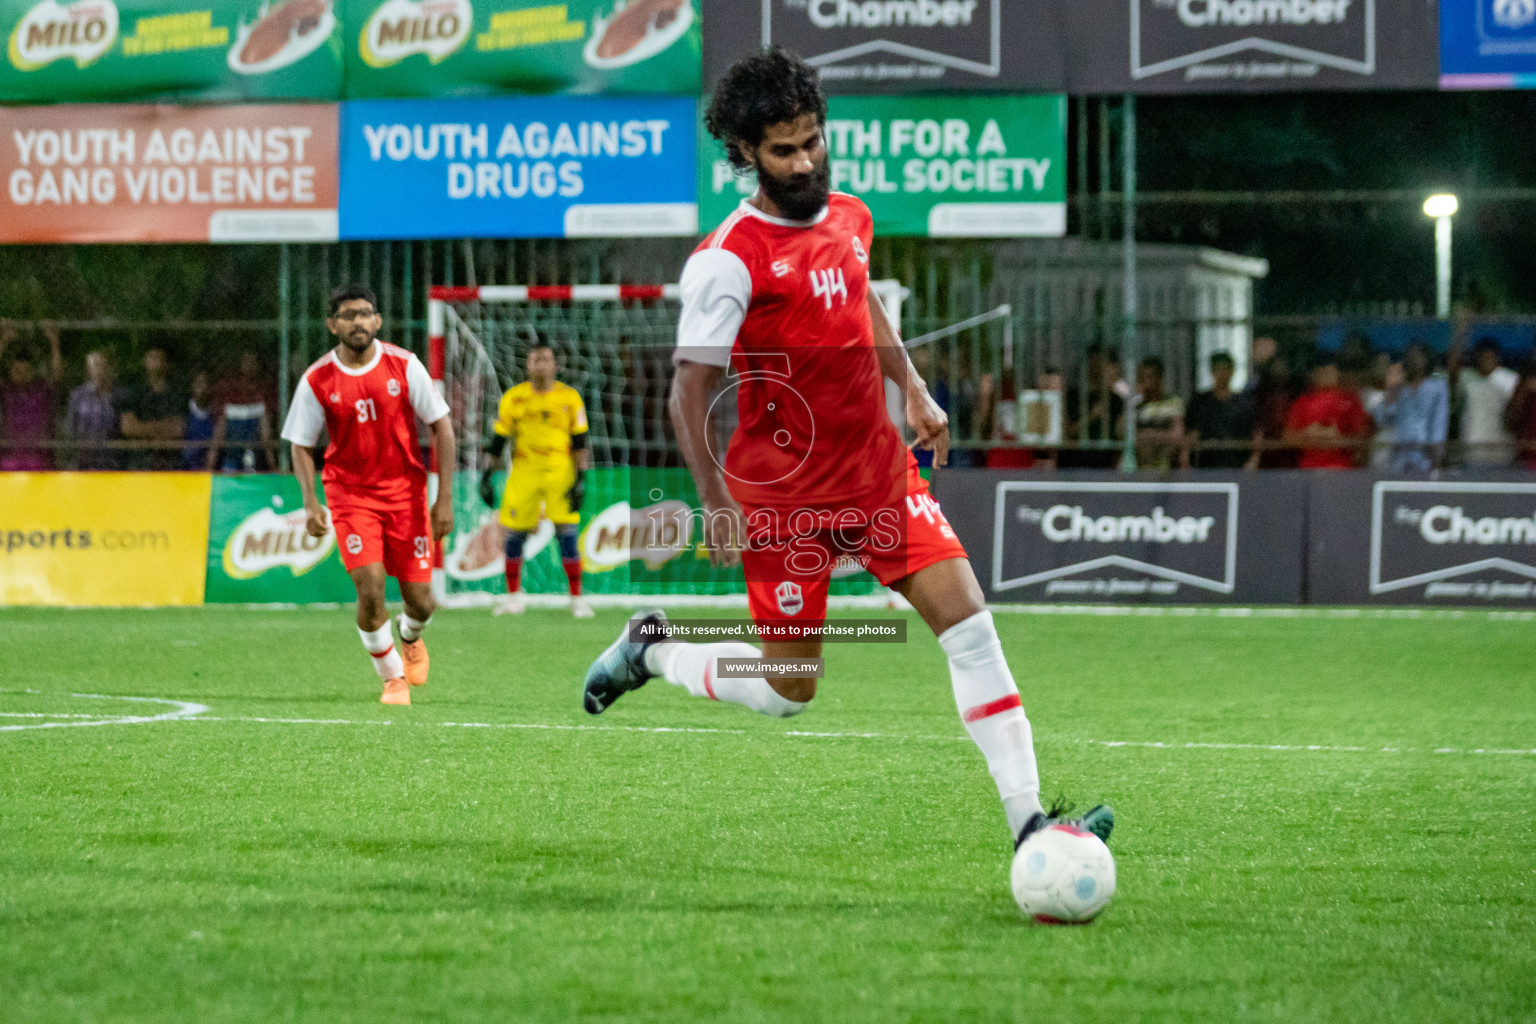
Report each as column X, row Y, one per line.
column 788, row 570
column 399, row 535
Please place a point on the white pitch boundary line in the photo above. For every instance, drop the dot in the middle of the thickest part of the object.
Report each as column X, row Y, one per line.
column 181, row 710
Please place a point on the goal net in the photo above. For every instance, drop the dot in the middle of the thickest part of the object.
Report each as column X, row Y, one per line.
column 638, row 535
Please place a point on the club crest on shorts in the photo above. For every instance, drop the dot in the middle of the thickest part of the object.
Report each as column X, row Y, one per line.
column 790, row 599
column 858, row 250
column 393, row 387
column 355, row 544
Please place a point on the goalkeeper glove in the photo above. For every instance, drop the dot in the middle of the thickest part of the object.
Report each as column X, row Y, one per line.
column 488, row 488
column 578, row 491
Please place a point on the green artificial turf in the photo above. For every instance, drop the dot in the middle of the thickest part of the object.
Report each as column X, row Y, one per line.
column 224, row 869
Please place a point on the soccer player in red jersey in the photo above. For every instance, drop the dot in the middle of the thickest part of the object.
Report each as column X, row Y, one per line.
column 816, row 470
column 368, row 395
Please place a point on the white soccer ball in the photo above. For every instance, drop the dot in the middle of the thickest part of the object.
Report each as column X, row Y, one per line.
column 1063, row 875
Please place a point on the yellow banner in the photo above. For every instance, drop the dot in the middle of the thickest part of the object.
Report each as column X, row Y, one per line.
column 103, row 538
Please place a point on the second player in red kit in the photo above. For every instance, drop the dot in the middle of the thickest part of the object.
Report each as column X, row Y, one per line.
column 368, row 396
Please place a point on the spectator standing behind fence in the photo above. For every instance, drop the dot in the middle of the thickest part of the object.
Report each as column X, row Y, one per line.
column 243, row 408
column 1485, row 389
column 91, row 419
column 1418, row 410
column 155, row 412
column 1327, row 422
column 1159, row 420
column 27, row 403
column 1095, row 416
column 1520, row 415
column 199, row 424
column 1272, row 398
column 1222, row 415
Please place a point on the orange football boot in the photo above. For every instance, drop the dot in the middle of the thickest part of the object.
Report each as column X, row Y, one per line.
column 414, row 653
column 396, row 691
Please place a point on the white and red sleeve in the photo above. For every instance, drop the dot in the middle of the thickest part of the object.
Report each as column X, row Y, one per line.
column 716, row 290
column 305, row 416
column 428, row 404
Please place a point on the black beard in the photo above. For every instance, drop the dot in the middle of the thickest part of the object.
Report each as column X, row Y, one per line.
column 801, row 196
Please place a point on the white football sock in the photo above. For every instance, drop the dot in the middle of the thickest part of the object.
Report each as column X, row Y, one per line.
column 381, row 644
column 692, row 666
column 993, row 714
column 410, row 629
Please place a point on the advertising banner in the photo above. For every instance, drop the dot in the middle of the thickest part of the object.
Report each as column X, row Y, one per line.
column 421, row 48
column 1100, row 537
column 551, row 167
column 896, row 47
column 102, row 538
column 258, row 550
column 1446, row 542
column 1487, row 44
column 1195, row 46
column 126, row 173
column 950, row 166
column 169, row 49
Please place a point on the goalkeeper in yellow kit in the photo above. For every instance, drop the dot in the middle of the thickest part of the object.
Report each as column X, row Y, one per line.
column 547, row 423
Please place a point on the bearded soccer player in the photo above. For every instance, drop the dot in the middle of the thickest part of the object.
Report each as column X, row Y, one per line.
column 780, row 293
column 368, row 395
column 547, row 423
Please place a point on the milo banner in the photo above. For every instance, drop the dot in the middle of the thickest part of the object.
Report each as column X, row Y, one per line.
column 950, row 166
column 897, row 46
column 141, row 173
column 169, row 49
column 1101, row 537
column 1193, row 46
column 639, row 534
column 1487, row 44
column 259, row 551
column 420, row 48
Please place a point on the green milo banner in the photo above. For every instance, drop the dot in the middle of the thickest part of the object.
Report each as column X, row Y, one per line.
column 233, row 50
column 638, row 535
column 259, row 551
column 957, row 166
column 407, row 48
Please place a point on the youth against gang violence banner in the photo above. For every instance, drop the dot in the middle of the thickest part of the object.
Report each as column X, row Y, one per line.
column 897, row 47
column 127, row 173
column 169, row 49
column 420, row 48
column 950, row 166
column 1488, row 44
column 550, row 167
column 1195, row 46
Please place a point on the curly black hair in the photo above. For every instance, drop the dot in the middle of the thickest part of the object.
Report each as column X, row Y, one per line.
column 767, row 88
column 349, row 292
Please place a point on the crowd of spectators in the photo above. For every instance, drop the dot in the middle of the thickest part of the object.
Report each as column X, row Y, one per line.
column 1351, row 408
column 158, row 420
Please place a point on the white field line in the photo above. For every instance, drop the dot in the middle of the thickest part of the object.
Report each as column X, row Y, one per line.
column 180, row 710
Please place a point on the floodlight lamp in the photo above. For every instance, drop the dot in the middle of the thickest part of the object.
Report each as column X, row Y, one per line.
column 1442, row 205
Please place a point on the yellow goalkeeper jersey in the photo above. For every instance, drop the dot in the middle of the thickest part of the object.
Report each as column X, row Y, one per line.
column 542, row 422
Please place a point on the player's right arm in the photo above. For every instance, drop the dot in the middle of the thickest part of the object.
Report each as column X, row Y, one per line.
column 716, row 290
column 502, row 435
column 302, row 431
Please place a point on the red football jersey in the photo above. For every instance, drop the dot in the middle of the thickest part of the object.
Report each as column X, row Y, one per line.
column 783, row 303
column 1329, row 407
column 370, row 413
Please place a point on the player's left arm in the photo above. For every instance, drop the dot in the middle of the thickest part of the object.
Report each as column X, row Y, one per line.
column 433, row 410
column 581, row 454
column 926, row 418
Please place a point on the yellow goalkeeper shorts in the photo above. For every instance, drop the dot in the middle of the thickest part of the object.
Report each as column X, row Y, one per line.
column 538, row 487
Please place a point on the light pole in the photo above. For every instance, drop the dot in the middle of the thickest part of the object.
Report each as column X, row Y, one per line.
column 1442, row 207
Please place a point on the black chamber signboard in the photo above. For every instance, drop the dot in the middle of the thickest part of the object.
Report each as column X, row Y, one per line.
column 893, row 46
column 1193, row 46
column 1453, row 542
column 1215, row 538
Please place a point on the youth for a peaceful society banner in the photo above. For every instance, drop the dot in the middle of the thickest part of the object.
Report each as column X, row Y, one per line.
column 169, row 49
column 1487, row 44
column 478, row 47
column 547, row 167
column 950, row 166
column 128, row 173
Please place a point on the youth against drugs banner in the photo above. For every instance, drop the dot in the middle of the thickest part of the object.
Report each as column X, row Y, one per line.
column 950, row 166
column 129, row 173
column 93, row 50
column 407, row 48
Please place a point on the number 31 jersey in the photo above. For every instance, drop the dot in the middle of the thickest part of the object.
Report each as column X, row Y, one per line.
column 370, row 413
